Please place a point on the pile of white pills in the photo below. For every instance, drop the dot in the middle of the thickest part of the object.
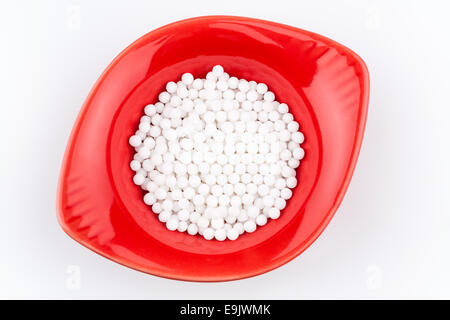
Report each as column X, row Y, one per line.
column 216, row 156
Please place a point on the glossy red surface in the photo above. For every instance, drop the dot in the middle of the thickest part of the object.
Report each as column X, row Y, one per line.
column 326, row 86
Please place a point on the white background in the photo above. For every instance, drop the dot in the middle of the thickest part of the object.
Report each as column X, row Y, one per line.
column 390, row 237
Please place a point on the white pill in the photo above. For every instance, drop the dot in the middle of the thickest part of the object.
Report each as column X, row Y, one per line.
column 261, row 220
column 172, row 223
column 274, row 213
column 149, row 199
column 286, row 193
column 249, row 226
column 192, row 229
column 208, row 234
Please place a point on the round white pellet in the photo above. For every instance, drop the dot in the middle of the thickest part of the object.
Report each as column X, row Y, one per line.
column 243, row 85
column 155, row 131
column 135, row 165
column 195, row 215
column 274, row 213
column 164, row 216
column 228, row 189
column 160, row 194
column 175, row 101
column 138, row 179
column 182, row 226
column 288, row 117
column 189, row 193
column 149, row 199
column 208, row 233
column 233, row 82
column 212, row 201
column 171, row 87
column 222, row 85
column 240, row 96
column 242, row 217
column 269, row 96
column 263, row 190
column 209, row 85
column 164, row 97
column 280, row 203
column 203, row 222
column 216, row 190
column 203, row 189
column 298, row 153
column 198, row 200
column 150, row 110
column 217, row 223
column 192, row 229
column 144, row 127
column 156, row 207
column 297, row 137
column 239, row 227
column 217, row 70
column 285, row 155
column 261, row 220
column 167, row 205
column 224, row 200
column 261, row 88
column 249, row 226
column 183, row 203
column 235, row 201
column 183, row 215
column 135, row 141
column 283, row 108
column 187, row 78
column 172, row 223
column 182, row 92
column 268, row 201
column 293, row 126
column 187, row 144
column 220, row 234
column 286, row 193
column 232, row 234
column 293, row 163
column 253, row 211
column 257, row 179
column 197, row 84
column 291, row 182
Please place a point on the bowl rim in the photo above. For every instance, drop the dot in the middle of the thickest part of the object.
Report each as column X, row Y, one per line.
column 363, row 107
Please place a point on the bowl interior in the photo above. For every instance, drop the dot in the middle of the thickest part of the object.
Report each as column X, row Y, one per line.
column 147, row 91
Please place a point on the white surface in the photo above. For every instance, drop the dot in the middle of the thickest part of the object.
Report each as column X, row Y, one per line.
column 389, row 238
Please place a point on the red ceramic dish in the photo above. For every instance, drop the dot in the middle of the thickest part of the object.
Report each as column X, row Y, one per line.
column 326, row 86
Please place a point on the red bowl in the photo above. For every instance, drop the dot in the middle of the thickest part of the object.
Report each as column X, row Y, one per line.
column 326, row 86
